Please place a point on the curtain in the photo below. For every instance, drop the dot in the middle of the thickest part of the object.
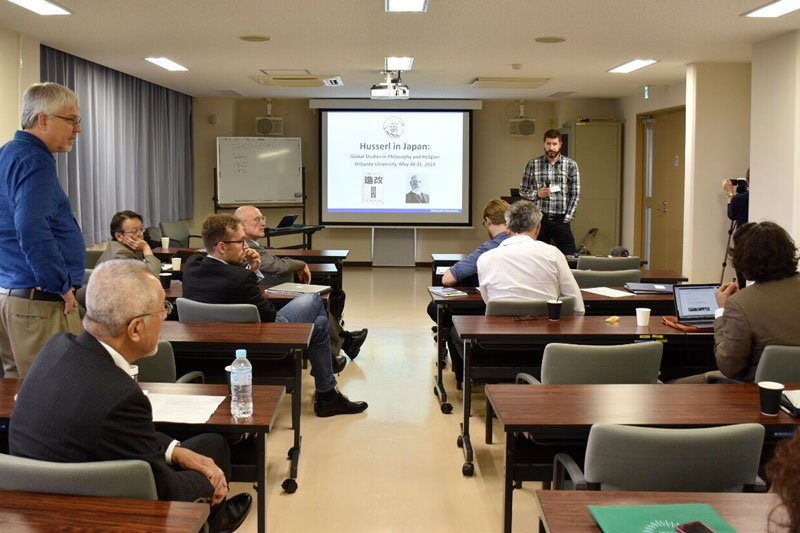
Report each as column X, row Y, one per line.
column 135, row 151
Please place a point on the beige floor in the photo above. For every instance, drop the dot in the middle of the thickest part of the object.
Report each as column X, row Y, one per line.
column 396, row 467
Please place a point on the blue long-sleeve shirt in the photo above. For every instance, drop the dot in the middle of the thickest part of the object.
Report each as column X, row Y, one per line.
column 469, row 265
column 41, row 244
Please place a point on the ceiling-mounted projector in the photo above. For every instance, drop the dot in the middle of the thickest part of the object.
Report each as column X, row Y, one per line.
column 391, row 89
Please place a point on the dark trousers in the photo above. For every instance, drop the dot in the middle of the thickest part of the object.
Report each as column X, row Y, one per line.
column 553, row 227
column 217, row 448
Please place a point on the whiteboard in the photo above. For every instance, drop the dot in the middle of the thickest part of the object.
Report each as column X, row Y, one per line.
column 259, row 170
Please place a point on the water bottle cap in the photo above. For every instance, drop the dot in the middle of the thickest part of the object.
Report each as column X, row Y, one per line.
column 241, row 353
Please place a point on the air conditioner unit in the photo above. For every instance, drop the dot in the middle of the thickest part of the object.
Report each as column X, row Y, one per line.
column 521, row 126
column 269, row 125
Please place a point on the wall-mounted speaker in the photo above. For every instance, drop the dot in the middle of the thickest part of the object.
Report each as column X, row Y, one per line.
column 521, row 126
column 269, row 125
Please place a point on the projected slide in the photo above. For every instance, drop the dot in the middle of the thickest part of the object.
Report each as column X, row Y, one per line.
column 395, row 166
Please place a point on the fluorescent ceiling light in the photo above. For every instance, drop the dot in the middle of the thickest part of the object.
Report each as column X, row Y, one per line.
column 42, row 7
column 630, row 66
column 775, row 9
column 406, row 5
column 399, row 63
column 163, row 62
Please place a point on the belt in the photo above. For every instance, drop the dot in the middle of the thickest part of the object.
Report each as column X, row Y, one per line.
column 32, row 294
column 548, row 216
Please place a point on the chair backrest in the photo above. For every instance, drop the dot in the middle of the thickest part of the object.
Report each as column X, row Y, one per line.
column 590, row 262
column 779, row 363
column 91, row 257
column 153, row 236
column 587, row 279
column 159, row 368
column 178, row 232
column 718, row 459
column 118, row 479
column 500, row 307
column 87, row 272
column 625, row 363
column 192, row 311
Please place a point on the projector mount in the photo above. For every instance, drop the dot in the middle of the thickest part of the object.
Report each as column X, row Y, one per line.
column 391, row 89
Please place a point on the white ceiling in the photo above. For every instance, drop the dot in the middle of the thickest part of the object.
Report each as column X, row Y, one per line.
column 453, row 43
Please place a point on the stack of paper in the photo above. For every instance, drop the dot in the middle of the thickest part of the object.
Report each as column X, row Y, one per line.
column 183, row 408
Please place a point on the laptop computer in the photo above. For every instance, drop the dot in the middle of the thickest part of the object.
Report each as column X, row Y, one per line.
column 298, row 288
column 695, row 304
column 287, row 221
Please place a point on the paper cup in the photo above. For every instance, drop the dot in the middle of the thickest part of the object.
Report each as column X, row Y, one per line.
column 642, row 316
column 769, row 394
column 165, row 243
column 133, row 372
column 176, row 264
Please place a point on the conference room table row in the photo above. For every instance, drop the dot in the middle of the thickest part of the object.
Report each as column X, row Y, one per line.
column 532, row 415
column 113, row 514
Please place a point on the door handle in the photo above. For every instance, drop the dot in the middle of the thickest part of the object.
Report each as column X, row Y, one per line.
column 663, row 209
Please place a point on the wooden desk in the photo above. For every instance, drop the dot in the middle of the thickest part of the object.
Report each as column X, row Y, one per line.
column 33, row 511
column 210, row 346
column 522, row 345
column 563, row 511
column 335, row 257
column 568, row 411
column 175, row 291
column 265, row 402
column 306, row 231
column 184, row 251
column 597, row 305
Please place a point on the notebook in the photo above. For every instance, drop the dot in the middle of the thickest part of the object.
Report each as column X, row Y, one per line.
column 695, row 304
column 649, row 288
column 298, row 288
column 287, row 221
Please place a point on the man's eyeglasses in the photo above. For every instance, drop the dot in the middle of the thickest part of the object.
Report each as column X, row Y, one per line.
column 260, row 219
column 74, row 121
column 138, row 231
column 168, row 307
column 233, row 242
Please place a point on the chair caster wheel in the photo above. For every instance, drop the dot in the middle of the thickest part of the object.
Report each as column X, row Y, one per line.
column 447, row 408
column 289, row 485
column 468, row 469
column 460, row 444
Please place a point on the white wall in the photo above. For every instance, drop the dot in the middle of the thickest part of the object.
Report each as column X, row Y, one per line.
column 717, row 147
column 775, row 132
column 19, row 68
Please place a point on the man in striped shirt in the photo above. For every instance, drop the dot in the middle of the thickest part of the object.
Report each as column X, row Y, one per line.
column 552, row 182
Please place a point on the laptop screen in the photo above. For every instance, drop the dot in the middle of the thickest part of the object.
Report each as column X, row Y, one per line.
column 695, row 301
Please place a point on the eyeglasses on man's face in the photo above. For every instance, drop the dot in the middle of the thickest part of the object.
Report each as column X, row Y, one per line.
column 168, row 307
column 135, row 231
column 241, row 241
column 259, row 219
column 74, row 121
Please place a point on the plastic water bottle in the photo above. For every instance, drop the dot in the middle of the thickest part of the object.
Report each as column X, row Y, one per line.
column 241, row 386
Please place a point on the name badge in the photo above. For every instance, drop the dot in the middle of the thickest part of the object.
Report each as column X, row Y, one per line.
column 555, row 188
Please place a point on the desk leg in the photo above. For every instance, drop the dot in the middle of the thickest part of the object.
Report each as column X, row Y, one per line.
column 290, row 484
column 308, row 242
column 508, row 483
column 261, row 474
column 441, row 347
column 489, row 416
column 463, row 440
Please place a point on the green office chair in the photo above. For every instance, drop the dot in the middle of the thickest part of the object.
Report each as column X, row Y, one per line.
column 192, row 311
column 504, row 307
column 160, row 368
column 178, row 233
column 587, row 279
column 591, row 262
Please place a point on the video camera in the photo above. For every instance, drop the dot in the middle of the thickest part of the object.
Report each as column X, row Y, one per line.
column 740, row 184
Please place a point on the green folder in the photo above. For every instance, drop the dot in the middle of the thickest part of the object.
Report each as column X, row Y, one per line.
column 656, row 518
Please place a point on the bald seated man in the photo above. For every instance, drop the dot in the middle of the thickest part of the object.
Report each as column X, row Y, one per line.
column 78, row 402
column 254, row 225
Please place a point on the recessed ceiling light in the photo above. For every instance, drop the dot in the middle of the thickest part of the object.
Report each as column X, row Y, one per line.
column 254, row 38
column 775, row 9
column 550, row 40
column 630, row 66
column 394, row 6
column 398, row 63
column 42, row 7
column 163, row 62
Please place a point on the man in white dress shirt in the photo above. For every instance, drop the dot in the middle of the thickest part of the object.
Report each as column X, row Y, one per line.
column 522, row 268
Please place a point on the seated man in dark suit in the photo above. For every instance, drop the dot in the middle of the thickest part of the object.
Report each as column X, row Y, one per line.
column 220, row 278
column 79, row 404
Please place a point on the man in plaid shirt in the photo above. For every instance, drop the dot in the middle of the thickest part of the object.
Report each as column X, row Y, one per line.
column 552, row 182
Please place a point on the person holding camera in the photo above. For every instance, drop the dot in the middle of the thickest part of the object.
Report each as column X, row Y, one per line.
column 738, row 198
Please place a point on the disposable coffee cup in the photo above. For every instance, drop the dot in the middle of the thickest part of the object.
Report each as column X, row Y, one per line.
column 166, row 278
column 165, row 243
column 769, row 394
column 642, row 316
column 228, row 374
column 553, row 309
column 176, row 264
column 133, row 372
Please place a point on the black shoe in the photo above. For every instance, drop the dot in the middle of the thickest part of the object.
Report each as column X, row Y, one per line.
column 339, row 405
column 338, row 362
column 235, row 512
column 353, row 340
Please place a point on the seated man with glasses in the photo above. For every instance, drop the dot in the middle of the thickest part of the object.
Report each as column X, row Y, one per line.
column 220, row 278
column 127, row 232
column 78, row 402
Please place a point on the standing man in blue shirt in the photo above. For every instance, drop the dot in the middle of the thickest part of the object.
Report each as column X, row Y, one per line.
column 41, row 246
column 552, row 182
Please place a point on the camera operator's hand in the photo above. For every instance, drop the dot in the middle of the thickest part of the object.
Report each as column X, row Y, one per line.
column 726, row 291
column 544, row 192
column 728, row 186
